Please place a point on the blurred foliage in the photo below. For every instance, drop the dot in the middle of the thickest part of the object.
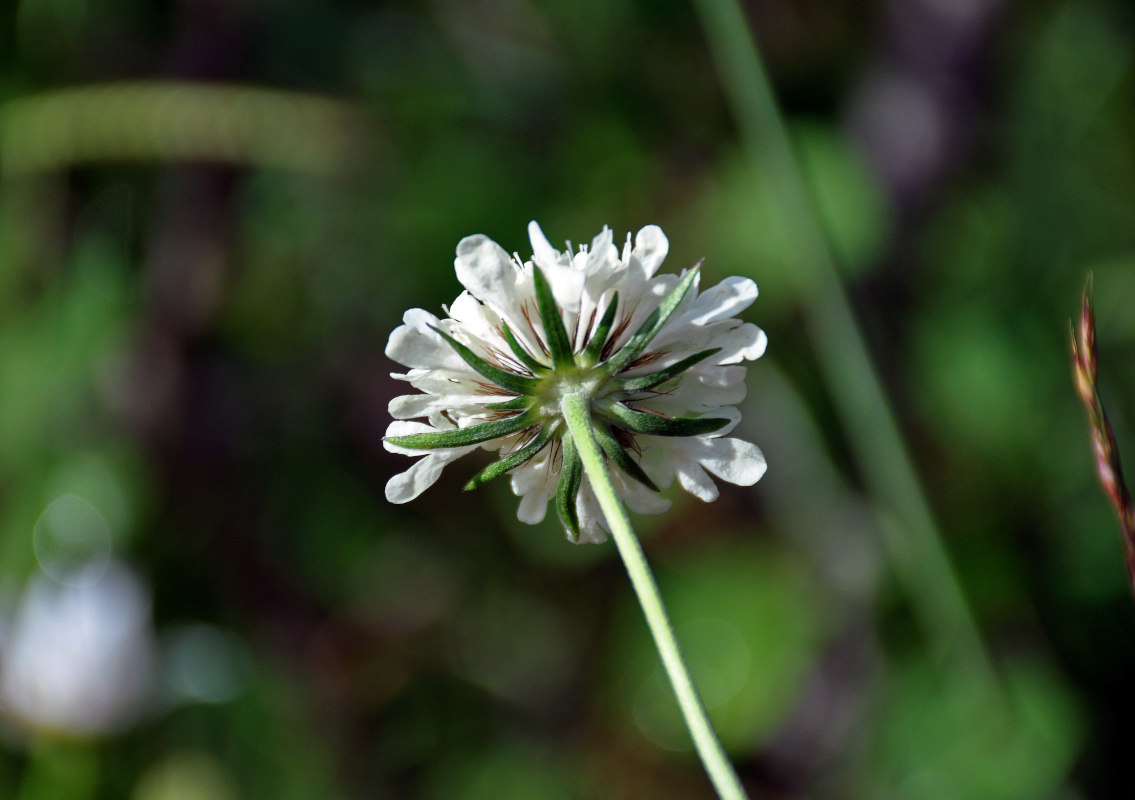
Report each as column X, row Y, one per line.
column 213, row 214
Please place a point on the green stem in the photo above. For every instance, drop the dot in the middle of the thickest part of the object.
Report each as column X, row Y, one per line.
column 577, row 413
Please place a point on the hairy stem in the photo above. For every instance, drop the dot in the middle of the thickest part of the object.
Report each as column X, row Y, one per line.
column 577, row 414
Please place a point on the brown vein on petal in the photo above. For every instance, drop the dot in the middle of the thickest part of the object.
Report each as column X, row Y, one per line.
column 491, row 389
column 521, row 440
column 524, row 312
column 616, row 333
column 588, row 330
column 553, row 457
column 506, row 362
column 644, row 360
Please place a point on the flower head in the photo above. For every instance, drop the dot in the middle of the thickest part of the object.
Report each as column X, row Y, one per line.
column 659, row 363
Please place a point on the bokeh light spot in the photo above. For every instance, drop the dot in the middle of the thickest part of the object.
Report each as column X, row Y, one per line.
column 205, row 664
column 72, row 541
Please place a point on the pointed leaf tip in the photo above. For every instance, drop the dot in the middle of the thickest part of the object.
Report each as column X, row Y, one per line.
column 510, row 462
column 501, row 377
column 658, row 425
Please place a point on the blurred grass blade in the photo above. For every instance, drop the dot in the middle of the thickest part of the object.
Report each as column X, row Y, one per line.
column 178, row 121
column 914, row 545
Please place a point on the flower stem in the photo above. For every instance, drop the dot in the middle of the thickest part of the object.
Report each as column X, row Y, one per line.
column 577, row 413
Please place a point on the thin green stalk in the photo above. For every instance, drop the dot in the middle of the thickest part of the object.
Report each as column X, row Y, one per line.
column 910, row 533
column 577, row 414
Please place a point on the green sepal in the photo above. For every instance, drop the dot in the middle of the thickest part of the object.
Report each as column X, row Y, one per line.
column 571, row 474
column 515, row 404
column 463, row 437
column 521, row 456
column 594, row 349
column 657, row 425
column 523, row 355
column 663, row 375
column 621, row 457
column 653, row 324
column 502, row 378
column 559, row 344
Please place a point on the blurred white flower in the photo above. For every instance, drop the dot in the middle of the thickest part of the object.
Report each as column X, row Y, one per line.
column 659, row 362
column 78, row 658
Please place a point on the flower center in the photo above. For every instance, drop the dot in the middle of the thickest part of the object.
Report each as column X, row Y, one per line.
column 588, row 382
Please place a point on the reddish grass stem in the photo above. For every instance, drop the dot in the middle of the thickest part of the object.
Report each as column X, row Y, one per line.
column 1108, row 468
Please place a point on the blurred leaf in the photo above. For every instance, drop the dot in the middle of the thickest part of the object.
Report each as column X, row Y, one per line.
column 514, row 644
column 61, row 769
column 743, row 217
column 938, row 738
column 186, row 775
column 49, row 353
column 505, row 772
column 749, row 622
column 976, row 380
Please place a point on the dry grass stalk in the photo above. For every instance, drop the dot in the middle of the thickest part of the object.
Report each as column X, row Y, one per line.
column 1108, row 467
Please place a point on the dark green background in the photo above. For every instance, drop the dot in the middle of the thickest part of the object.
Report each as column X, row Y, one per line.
column 198, row 342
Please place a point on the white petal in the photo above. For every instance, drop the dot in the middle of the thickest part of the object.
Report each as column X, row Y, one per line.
column 733, row 460
column 732, row 415
column 406, row 486
column 650, row 249
column 533, row 507
column 545, row 256
column 691, row 396
column 476, row 320
column 534, row 485
column 444, row 381
column 744, row 343
column 533, row 475
column 417, row 346
column 602, row 253
column 638, row 498
column 487, row 271
column 694, row 480
column 567, row 288
column 665, row 458
column 592, row 524
column 641, row 298
column 422, row 405
column 722, row 301
column 718, row 377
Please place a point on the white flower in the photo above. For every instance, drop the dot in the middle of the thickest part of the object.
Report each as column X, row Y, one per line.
column 79, row 658
column 660, row 362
